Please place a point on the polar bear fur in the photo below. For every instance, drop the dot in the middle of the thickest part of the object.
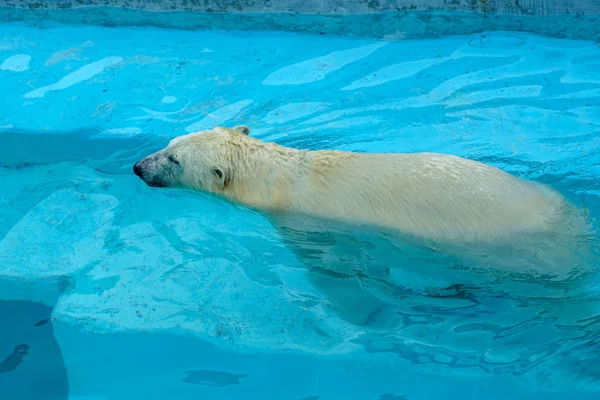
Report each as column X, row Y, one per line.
column 436, row 200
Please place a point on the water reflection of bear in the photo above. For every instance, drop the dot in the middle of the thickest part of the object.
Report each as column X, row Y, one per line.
column 361, row 270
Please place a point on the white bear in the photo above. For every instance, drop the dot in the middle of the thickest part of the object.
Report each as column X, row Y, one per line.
column 321, row 200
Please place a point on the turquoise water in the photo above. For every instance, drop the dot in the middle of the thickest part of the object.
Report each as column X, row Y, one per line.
column 114, row 290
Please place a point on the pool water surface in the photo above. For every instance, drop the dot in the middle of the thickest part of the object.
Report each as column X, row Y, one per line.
column 113, row 290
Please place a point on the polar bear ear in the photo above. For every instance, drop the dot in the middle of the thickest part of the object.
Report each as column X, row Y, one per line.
column 221, row 176
column 243, row 129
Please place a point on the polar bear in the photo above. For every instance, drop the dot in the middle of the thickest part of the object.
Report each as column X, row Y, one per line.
column 320, row 200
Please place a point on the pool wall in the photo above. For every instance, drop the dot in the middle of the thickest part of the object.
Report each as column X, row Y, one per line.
column 389, row 19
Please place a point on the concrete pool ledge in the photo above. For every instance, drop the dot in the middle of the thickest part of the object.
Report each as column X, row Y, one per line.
column 387, row 19
column 514, row 7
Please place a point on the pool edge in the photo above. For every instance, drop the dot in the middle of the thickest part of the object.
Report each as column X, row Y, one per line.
column 390, row 25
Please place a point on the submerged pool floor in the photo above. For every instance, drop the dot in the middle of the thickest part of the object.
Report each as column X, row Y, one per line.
column 155, row 294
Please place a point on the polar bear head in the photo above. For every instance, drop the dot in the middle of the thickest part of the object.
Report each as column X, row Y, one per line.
column 199, row 160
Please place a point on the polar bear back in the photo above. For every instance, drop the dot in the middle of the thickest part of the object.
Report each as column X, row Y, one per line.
column 428, row 195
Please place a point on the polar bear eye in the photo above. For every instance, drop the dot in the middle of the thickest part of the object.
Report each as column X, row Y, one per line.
column 173, row 159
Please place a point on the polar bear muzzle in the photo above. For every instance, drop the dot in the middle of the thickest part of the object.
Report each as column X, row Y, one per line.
column 158, row 169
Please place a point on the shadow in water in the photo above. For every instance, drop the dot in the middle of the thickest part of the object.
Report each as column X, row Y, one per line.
column 19, row 149
column 31, row 362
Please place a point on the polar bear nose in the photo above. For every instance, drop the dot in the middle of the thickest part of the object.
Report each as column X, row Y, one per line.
column 137, row 170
